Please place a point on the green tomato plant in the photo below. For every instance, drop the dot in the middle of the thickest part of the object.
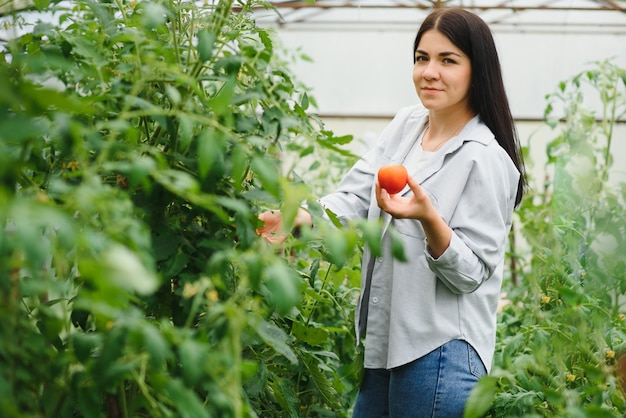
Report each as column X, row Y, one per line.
column 139, row 141
column 562, row 335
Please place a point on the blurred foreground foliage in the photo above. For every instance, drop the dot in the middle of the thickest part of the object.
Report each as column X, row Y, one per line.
column 562, row 335
column 138, row 143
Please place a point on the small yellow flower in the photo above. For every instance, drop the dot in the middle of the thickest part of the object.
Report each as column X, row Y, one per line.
column 570, row 377
column 583, row 274
column 610, row 354
column 212, row 295
column 191, row 289
column 621, row 317
column 545, row 299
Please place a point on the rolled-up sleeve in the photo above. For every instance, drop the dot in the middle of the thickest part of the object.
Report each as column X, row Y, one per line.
column 352, row 198
column 480, row 225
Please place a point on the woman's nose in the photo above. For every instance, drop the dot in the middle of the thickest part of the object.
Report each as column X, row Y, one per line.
column 430, row 71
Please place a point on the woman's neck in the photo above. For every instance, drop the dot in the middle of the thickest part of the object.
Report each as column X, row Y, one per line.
column 442, row 127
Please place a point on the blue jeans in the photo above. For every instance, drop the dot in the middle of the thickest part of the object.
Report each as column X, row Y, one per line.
column 436, row 385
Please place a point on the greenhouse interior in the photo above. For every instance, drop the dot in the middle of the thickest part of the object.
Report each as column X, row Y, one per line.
column 361, row 63
column 191, row 224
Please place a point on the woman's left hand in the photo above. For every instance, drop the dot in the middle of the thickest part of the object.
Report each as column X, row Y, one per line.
column 417, row 206
column 420, row 207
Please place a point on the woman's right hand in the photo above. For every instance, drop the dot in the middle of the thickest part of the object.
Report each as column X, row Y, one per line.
column 273, row 229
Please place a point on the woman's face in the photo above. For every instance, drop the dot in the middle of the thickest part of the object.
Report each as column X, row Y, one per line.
column 442, row 73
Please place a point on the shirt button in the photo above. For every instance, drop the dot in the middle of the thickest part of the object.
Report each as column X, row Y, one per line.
column 380, row 259
column 375, row 299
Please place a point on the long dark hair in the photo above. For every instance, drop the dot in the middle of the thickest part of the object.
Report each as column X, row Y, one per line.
column 487, row 96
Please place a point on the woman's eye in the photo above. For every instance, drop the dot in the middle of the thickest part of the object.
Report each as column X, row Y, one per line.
column 449, row 61
column 421, row 58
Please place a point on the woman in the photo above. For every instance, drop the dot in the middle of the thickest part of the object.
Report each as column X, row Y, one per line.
column 428, row 324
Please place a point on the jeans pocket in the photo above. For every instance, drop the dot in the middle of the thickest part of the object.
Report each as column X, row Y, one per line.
column 477, row 368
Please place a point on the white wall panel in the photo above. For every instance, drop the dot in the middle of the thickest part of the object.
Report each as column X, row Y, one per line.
column 368, row 72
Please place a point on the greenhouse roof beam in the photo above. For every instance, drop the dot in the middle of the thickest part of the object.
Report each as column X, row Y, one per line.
column 592, row 5
column 588, row 16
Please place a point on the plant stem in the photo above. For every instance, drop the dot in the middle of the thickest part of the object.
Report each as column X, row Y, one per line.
column 308, row 320
column 608, row 131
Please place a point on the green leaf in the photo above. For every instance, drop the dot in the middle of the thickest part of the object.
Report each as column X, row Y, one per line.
column 185, row 400
column 595, row 411
column 175, row 264
column 165, row 244
column 211, row 144
column 283, row 286
column 173, row 94
column 155, row 344
column 258, row 382
column 42, row 4
column 57, row 100
column 570, row 295
column 192, row 355
column 239, row 167
column 268, row 175
column 19, row 128
column 372, row 237
column 481, row 397
column 51, row 326
column 308, row 334
column 307, row 151
column 239, row 206
column 137, row 170
column 254, row 263
column 286, row 397
column 206, row 44
column 221, row 101
column 276, row 338
column 186, row 127
column 85, row 344
column 85, row 47
column 322, row 382
column 333, row 218
column 178, row 182
column 122, row 267
column 337, row 247
column 154, row 15
column 304, row 103
column 111, row 352
column 397, row 246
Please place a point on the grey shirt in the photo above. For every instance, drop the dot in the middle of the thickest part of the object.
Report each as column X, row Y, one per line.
column 416, row 306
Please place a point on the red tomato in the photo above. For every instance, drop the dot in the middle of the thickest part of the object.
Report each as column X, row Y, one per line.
column 393, row 178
